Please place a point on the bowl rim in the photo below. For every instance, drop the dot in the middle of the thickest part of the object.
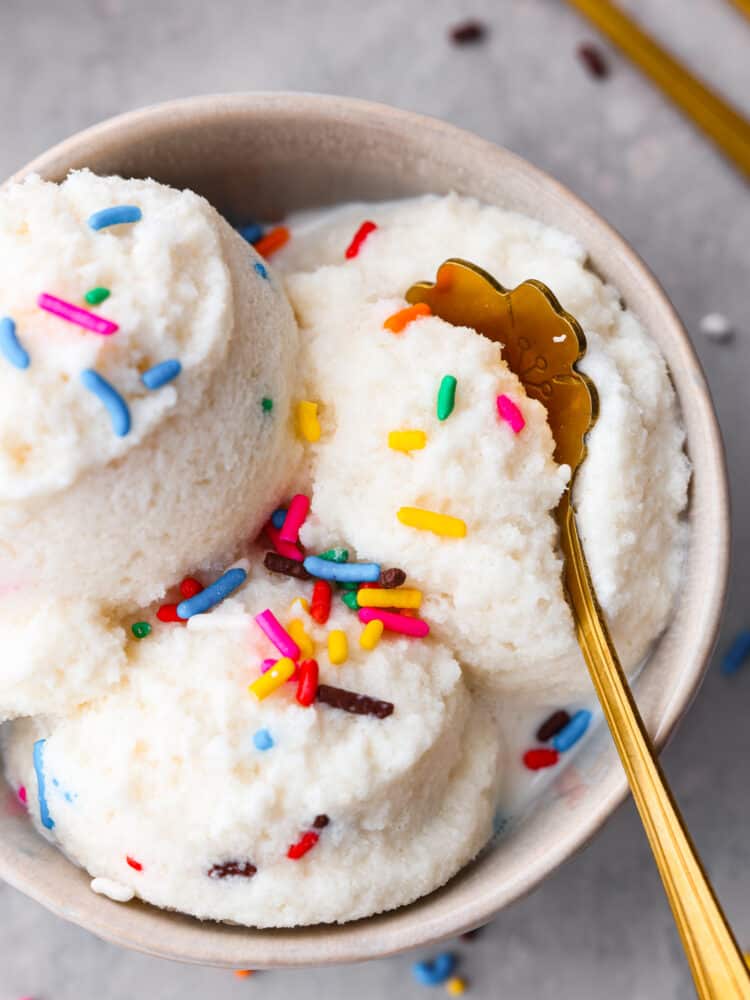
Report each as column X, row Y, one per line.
column 352, row 941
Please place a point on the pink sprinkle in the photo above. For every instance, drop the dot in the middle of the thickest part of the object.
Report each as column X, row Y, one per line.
column 74, row 314
column 22, row 798
column 267, row 664
column 279, row 636
column 394, row 622
column 510, row 413
column 359, row 238
column 295, row 518
column 288, row 549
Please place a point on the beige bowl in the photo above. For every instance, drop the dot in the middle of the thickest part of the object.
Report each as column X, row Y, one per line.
column 263, row 155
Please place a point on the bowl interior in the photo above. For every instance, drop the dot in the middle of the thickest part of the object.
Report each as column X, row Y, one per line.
column 261, row 156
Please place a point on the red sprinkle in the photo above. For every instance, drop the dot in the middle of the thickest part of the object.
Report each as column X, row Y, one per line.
column 306, row 843
column 542, row 757
column 272, row 241
column 190, row 587
column 134, row 864
column 320, row 606
column 359, row 238
column 295, row 518
column 307, row 686
column 168, row 613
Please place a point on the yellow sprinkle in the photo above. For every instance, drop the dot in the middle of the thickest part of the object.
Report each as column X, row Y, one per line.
column 296, row 630
column 267, row 683
column 427, row 520
column 302, row 602
column 338, row 646
column 407, row 440
column 307, row 420
column 455, row 986
column 371, row 634
column 377, row 597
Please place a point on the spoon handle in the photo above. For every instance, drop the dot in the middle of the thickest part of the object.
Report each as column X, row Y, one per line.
column 716, row 963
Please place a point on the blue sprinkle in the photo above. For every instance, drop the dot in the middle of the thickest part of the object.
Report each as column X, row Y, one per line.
column 571, row 734
column 261, row 269
column 118, row 408
column 262, row 740
column 10, row 346
column 251, row 232
column 278, row 517
column 213, row 594
column 342, row 572
column 115, row 216
column 436, row 972
column 737, row 653
column 162, row 373
column 47, row 822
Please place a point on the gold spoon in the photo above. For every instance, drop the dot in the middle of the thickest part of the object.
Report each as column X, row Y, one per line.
column 542, row 344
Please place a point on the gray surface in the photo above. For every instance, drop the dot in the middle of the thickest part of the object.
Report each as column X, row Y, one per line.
column 599, row 927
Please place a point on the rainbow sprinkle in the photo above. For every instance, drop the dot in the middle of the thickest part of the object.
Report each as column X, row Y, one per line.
column 140, row 629
column 401, row 319
column 261, row 269
column 371, row 634
column 251, row 231
column 437, row 971
column 272, row 241
column 446, row 399
column 74, row 314
column 273, row 679
column 262, row 740
column 95, row 296
column 359, row 238
column 10, row 345
column 44, row 814
column 415, row 628
column 572, row 732
column 213, row 594
column 162, row 373
column 115, row 404
column 427, row 520
column 308, row 423
column 510, row 413
column 270, row 625
column 117, row 215
column 338, row 647
column 377, row 597
column 325, row 569
column 295, row 518
column 407, row 440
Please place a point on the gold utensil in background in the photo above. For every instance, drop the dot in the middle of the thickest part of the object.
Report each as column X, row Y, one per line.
column 542, row 344
column 716, row 117
column 742, row 5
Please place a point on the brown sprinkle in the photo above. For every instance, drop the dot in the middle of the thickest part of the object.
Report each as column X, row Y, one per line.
column 231, row 869
column 552, row 726
column 593, row 59
column 282, row 564
column 321, row 821
column 391, row 578
column 468, row 32
column 350, row 701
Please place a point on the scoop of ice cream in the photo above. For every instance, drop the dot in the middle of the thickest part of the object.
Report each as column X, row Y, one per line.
column 113, row 481
column 182, row 786
column 495, row 596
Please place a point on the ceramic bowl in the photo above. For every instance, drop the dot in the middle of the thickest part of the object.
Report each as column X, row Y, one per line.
column 263, row 155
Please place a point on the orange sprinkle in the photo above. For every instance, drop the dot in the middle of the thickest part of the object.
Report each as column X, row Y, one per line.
column 243, row 973
column 273, row 240
column 400, row 320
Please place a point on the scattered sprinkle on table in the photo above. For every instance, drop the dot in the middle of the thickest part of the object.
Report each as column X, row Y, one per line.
column 716, row 326
column 273, row 679
column 455, row 986
column 135, row 865
column 117, row 215
column 10, row 345
column 277, row 563
column 407, row 440
column 737, row 654
column 552, row 725
column 428, row 520
column 262, row 740
column 326, row 569
column 232, row 869
column 95, row 296
column 243, row 973
column 350, row 701
column 320, row 606
column 446, row 399
column 306, row 843
column 573, row 731
column 296, row 630
column 371, row 634
column 375, row 597
column 401, row 319
column 539, row 758
column 338, row 647
column 510, row 413
column 415, row 628
column 468, row 32
column 213, row 594
column 251, row 231
column 261, row 269
column 295, row 518
column 272, row 241
column 161, row 374
column 308, row 423
column 44, row 814
column 359, row 238
column 270, row 626
column 140, row 629
column 435, row 972
column 266, row 404
column 116, row 406
column 74, row 314
column 593, row 59
column 307, row 683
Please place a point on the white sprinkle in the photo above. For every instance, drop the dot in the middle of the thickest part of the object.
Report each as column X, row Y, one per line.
column 716, row 326
column 114, row 890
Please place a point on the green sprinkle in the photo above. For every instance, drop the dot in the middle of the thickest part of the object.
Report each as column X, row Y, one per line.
column 349, row 598
column 267, row 404
column 95, row 296
column 347, row 585
column 335, row 555
column 140, row 629
column 446, row 397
